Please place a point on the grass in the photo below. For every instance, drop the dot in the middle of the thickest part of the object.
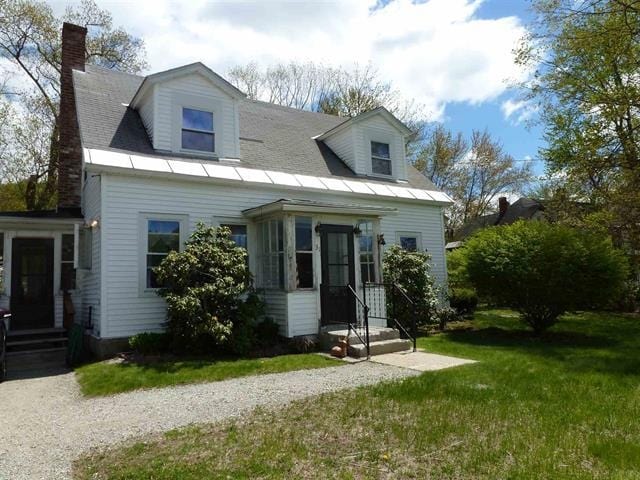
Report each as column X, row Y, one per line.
column 563, row 406
column 106, row 378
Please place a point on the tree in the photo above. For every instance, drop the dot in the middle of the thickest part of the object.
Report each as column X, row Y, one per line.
column 544, row 270
column 316, row 87
column 204, row 287
column 586, row 56
column 473, row 173
column 30, row 40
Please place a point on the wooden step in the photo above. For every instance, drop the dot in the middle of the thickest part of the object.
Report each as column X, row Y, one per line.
column 36, row 331
column 35, row 341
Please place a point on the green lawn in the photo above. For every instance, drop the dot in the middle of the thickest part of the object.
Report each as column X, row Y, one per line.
column 564, row 406
column 106, row 378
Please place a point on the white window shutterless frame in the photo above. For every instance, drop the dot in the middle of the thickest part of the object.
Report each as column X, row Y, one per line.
column 157, row 236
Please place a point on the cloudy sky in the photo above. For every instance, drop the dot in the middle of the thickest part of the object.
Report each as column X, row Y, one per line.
column 453, row 56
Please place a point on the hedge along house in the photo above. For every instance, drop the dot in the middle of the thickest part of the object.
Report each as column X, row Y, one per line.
column 314, row 198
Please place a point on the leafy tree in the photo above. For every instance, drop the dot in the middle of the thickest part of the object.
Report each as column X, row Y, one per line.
column 544, row 270
column 411, row 271
column 30, row 41
column 474, row 173
column 208, row 289
column 586, row 56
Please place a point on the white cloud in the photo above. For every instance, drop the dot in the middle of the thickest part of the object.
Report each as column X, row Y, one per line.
column 436, row 51
column 518, row 111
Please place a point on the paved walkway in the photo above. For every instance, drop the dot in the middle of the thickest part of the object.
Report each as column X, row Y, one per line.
column 420, row 361
column 45, row 423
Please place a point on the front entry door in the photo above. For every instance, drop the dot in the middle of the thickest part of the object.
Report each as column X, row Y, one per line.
column 338, row 270
column 32, row 283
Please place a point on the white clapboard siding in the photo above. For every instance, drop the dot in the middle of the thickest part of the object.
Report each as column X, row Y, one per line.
column 341, row 143
column 129, row 311
column 147, row 107
column 303, row 316
column 90, row 280
column 276, row 308
column 165, row 96
column 378, row 129
column 428, row 222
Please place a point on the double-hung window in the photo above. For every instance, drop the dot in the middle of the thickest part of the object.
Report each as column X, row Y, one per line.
column 197, row 130
column 380, row 158
column 304, row 253
column 271, row 253
column 162, row 237
column 367, row 263
column 67, row 270
column 238, row 234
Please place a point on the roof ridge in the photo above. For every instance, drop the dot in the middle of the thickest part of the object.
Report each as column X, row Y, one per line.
column 112, row 70
column 285, row 107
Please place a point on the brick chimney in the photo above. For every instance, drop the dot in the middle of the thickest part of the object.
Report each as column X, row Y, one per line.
column 70, row 153
column 503, row 204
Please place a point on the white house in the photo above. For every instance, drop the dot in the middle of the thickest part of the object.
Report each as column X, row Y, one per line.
column 313, row 198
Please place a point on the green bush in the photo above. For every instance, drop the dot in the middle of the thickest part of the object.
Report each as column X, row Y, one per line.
column 463, row 300
column 543, row 270
column 457, row 269
column 150, row 343
column 445, row 315
column 411, row 272
column 208, row 289
column 267, row 332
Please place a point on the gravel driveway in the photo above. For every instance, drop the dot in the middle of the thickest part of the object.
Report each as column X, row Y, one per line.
column 45, row 423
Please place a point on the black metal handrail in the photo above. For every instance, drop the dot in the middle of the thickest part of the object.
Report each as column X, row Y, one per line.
column 365, row 309
column 395, row 290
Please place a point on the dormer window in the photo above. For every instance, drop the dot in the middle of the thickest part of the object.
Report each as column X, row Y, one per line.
column 380, row 158
column 197, row 130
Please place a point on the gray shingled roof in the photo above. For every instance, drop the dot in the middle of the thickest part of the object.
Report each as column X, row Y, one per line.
column 272, row 137
column 522, row 209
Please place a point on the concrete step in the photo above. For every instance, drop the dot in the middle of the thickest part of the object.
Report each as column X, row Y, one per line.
column 330, row 338
column 380, row 347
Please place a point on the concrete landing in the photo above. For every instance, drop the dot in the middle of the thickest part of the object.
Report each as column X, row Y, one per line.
column 420, row 361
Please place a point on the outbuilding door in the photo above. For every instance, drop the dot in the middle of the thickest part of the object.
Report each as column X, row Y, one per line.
column 338, row 270
column 32, row 283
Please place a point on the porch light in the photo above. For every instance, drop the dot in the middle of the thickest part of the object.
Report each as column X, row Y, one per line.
column 92, row 223
column 317, row 228
column 381, row 240
column 356, row 230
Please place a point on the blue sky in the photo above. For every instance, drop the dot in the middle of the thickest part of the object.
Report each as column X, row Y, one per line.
column 454, row 57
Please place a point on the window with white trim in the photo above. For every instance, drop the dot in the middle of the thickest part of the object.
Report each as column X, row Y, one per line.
column 304, row 252
column 410, row 241
column 271, row 253
column 380, row 158
column 238, row 233
column 197, row 130
column 367, row 263
column 67, row 271
column 162, row 236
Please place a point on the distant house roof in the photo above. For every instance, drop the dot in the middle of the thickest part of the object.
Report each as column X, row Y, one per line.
column 272, row 137
column 522, row 209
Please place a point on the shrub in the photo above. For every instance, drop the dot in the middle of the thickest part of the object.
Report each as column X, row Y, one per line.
column 463, row 300
column 411, row 272
column 267, row 332
column 304, row 344
column 208, row 290
column 543, row 270
column 150, row 343
column 446, row 315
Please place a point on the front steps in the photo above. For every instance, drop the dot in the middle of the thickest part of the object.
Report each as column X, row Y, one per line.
column 44, row 340
column 381, row 341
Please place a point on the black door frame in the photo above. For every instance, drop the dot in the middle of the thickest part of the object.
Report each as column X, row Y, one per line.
column 18, row 309
column 327, row 290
